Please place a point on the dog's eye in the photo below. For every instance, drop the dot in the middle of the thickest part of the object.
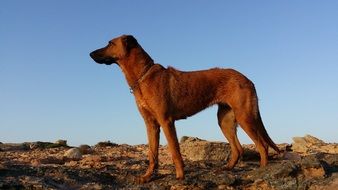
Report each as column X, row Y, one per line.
column 111, row 43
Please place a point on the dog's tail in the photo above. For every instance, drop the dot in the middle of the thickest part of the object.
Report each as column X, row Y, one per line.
column 261, row 131
column 263, row 134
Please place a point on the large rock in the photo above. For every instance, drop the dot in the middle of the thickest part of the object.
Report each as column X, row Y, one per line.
column 73, row 154
column 330, row 185
column 310, row 145
column 312, row 166
column 195, row 149
column 275, row 176
column 85, row 149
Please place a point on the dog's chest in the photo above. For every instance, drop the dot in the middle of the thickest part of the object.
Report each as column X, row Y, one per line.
column 141, row 102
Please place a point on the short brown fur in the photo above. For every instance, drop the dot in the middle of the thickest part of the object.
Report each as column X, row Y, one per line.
column 164, row 95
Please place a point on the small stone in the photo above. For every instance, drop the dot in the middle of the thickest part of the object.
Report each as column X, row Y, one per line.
column 35, row 163
column 183, row 139
column 94, row 158
column 92, row 161
column 92, row 186
column 85, row 149
column 33, row 145
column 106, row 144
column 71, row 163
column 292, row 156
column 285, row 169
column 164, row 171
column 259, row 184
column 48, row 160
column 73, row 153
column 61, row 142
column 52, row 160
column 222, row 187
column 314, row 172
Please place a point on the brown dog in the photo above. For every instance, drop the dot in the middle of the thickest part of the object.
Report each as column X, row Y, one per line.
column 164, row 95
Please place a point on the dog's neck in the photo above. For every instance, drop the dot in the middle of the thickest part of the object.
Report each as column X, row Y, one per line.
column 135, row 65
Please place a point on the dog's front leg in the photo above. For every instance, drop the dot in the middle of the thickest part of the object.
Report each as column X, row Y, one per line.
column 153, row 132
column 174, row 147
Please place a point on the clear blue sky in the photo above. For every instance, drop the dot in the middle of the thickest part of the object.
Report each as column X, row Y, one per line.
column 51, row 89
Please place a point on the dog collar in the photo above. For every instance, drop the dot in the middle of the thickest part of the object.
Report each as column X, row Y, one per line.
column 138, row 81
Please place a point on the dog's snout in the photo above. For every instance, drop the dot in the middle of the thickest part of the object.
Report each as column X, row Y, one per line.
column 91, row 55
column 96, row 53
column 99, row 57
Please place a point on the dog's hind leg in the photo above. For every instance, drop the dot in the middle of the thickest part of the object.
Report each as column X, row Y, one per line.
column 251, row 126
column 228, row 125
column 244, row 103
column 153, row 132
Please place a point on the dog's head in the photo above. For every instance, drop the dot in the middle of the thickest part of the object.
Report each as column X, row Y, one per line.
column 117, row 49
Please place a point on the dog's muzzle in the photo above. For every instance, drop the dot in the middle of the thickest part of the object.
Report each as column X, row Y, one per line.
column 99, row 57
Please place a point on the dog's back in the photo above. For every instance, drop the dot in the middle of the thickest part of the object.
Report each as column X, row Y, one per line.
column 191, row 92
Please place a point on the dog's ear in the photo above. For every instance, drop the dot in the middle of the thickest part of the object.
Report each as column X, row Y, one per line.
column 129, row 42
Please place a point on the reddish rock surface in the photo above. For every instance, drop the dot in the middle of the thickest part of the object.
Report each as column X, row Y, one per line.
column 41, row 165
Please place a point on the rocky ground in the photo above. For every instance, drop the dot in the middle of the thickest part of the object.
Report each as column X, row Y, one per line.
column 308, row 163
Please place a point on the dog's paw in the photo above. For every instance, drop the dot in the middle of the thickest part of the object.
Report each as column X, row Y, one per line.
column 229, row 167
column 142, row 179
